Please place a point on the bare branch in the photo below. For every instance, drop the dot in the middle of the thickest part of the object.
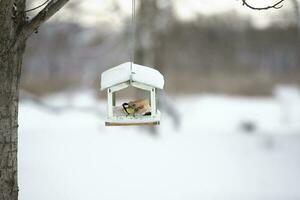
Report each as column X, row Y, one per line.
column 93, row 109
column 50, row 9
column 277, row 5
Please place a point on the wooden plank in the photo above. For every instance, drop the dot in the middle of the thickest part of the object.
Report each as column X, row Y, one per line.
column 132, row 124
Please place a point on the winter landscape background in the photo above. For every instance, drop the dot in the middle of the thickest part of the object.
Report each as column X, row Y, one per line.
column 230, row 125
column 72, row 155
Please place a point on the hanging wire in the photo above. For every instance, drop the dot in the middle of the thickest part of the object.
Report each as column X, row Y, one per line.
column 32, row 9
column 133, row 26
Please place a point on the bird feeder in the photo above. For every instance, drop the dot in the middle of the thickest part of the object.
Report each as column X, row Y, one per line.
column 131, row 75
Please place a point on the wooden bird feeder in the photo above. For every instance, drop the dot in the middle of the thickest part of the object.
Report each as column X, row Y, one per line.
column 131, row 75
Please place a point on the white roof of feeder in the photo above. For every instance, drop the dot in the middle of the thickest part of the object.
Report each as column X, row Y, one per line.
column 141, row 74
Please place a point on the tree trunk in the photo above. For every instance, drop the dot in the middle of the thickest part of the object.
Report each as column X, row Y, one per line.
column 145, row 32
column 14, row 31
column 152, row 25
column 296, row 6
column 10, row 71
column 9, row 99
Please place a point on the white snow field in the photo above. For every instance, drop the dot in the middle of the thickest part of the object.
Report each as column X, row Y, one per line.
column 71, row 155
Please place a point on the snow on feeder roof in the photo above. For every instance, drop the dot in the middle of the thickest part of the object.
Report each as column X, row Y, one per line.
column 138, row 73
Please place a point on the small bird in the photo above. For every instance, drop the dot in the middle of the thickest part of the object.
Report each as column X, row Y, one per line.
column 138, row 107
column 129, row 110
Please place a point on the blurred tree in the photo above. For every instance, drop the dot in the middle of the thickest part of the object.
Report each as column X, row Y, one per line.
column 14, row 31
column 154, row 19
column 297, row 14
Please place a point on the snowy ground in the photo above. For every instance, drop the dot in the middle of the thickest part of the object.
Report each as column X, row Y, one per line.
column 71, row 155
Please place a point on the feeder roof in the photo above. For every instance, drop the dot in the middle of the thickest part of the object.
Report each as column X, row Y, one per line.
column 141, row 74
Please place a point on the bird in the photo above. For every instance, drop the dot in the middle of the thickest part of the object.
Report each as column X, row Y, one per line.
column 129, row 110
column 138, row 107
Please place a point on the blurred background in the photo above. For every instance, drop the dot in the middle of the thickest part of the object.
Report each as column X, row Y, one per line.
column 230, row 125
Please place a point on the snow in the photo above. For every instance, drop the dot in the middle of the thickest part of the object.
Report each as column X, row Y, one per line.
column 72, row 155
column 122, row 73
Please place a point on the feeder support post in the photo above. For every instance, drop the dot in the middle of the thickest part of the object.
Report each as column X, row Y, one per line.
column 114, row 98
column 153, row 101
column 110, row 103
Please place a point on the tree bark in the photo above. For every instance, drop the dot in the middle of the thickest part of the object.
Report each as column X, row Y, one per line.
column 10, row 71
column 14, row 31
column 9, row 98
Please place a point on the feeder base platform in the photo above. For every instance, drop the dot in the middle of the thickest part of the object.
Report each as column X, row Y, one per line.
column 120, row 119
column 132, row 123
